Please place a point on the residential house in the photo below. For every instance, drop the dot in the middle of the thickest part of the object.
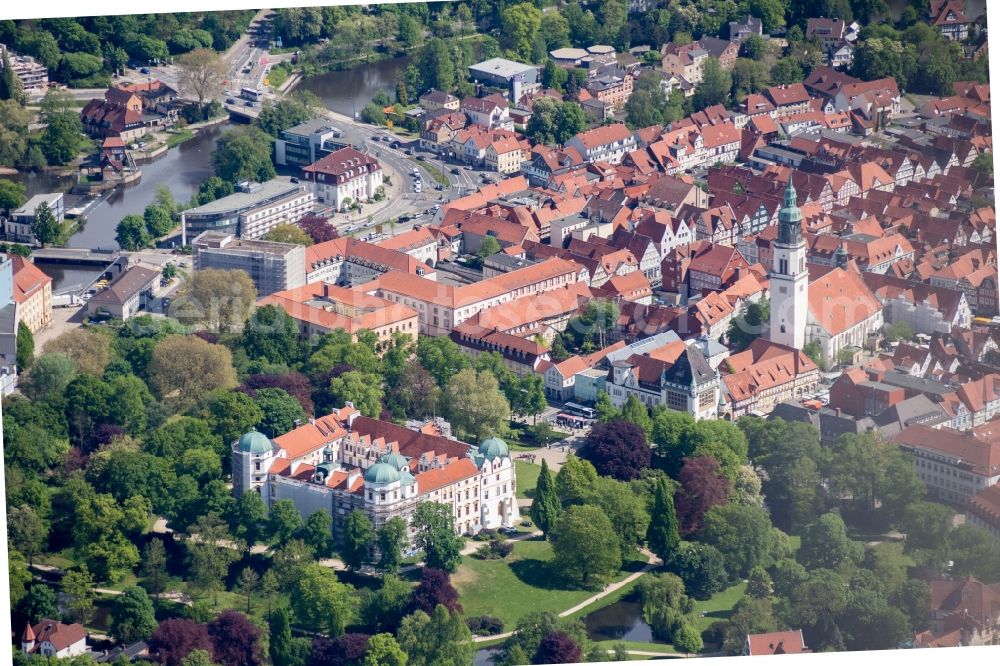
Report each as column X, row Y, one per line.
column 344, row 177
column 948, row 16
column 435, row 100
column 51, row 638
column 609, row 143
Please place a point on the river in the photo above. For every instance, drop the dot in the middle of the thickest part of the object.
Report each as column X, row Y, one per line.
column 346, row 91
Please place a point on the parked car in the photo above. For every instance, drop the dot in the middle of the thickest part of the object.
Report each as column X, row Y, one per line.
column 144, row 70
column 508, row 531
column 230, row 100
column 456, row 170
column 421, row 158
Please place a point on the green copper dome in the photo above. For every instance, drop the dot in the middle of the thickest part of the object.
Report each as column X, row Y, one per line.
column 494, row 448
column 381, row 472
column 255, row 442
column 396, row 460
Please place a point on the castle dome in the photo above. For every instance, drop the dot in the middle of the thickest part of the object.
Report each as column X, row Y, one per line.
column 494, row 448
column 397, row 461
column 381, row 472
column 255, row 442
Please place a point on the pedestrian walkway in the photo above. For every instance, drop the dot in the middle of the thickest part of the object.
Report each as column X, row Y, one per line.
column 651, row 562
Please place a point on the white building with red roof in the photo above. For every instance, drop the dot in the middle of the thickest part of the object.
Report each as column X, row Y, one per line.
column 50, row 638
column 344, row 177
column 345, row 461
column 608, row 143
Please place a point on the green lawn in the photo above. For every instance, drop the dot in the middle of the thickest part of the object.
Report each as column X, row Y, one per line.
column 718, row 607
column 635, row 645
column 527, row 478
column 177, row 138
column 433, row 172
column 525, row 582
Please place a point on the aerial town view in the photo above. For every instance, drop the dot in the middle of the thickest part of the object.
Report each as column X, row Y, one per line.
column 499, row 333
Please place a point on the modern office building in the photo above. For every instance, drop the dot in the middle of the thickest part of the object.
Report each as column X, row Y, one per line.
column 272, row 266
column 516, row 78
column 308, row 142
column 251, row 211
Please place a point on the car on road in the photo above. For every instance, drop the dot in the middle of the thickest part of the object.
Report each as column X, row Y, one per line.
column 456, row 170
column 394, row 144
column 248, row 103
column 404, row 218
column 421, row 158
column 165, row 303
column 468, row 167
column 230, row 100
column 144, row 70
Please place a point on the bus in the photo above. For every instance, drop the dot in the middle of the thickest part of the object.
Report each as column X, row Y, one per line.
column 251, row 94
column 574, row 408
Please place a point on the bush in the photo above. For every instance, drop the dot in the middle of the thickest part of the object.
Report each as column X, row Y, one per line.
column 485, row 625
column 485, row 535
column 496, row 549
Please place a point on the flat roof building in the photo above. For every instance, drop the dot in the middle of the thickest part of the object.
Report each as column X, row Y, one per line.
column 252, row 211
column 272, row 266
column 307, row 142
column 514, row 77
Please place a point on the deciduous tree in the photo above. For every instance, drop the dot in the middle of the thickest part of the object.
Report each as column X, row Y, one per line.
column 434, row 524
column 585, row 546
column 617, row 449
column 183, row 368
column 217, row 300
column 132, row 616
column 201, row 74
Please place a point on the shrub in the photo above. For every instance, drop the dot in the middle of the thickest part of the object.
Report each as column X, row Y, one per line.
column 485, row 625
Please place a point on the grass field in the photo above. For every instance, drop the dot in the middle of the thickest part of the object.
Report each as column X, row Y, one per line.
column 719, row 607
column 527, row 478
column 433, row 172
column 525, row 582
column 178, row 138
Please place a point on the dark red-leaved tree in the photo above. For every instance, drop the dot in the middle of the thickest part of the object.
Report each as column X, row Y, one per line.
column 557, row 648
column 346, row 650
column 318, row 228
column 702, row 487
column 174, row 639
column 294, row 383
column 618, row 449
column 235, row 640
column 435, row 588
column 101, row 435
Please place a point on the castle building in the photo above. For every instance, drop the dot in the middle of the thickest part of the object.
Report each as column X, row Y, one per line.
column 345, row 461
column 789, row 277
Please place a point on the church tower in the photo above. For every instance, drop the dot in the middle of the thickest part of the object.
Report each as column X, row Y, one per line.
column 789, row 277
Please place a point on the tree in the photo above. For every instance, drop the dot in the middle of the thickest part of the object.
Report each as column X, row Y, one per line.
column 702, row 568
column 320, row 602
column 236, row 640
column 317, row 533
column 858, row 469
column 131, row 233
column 246, row 520
column 319, row 229
column 283, row 522
column 287, row 233
column 878, row 58
column 62, row 140
column 158, row 220
column 753, row 47
column 40, row 603
column 575, row 481
column 770, row 12
column 475, row 405
column 359, row 536
column 360, row 388
column 743, row 534
column 926, row 525
column 11, row 87
column 749, row 76
column 519, row 25
column 28, row 532
column 687, row 639
column 244, row 154
column 25, row 346
column 154, row 567
column 825, row 544
column 12, row 195
column 749, row 325
column 633, row 411
column 557, row 648
column 900, row 330
column 714, row 87
column 183, row 368
column 644, row 107
column 44, row 226
column 435, row 589
column 382, row 609
column 441, row 357
column 247, row 584
column 662, row 535
column 218, row 300
column 434, row 524
column 132, row 616
column 198, row 658
column 78, row 586
column 391, row 537
column 280, row 646
column 702, row 487
column 209, row 556
column 175, row 639
column 545, row 506
column 617, row 449
column 441, row 639
column 759, row 585
column 585, row 546
column 383, row 650
column 786, row 70
column 281, row 411
column 201, row 74
column 664, row 604
column 983, row 163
